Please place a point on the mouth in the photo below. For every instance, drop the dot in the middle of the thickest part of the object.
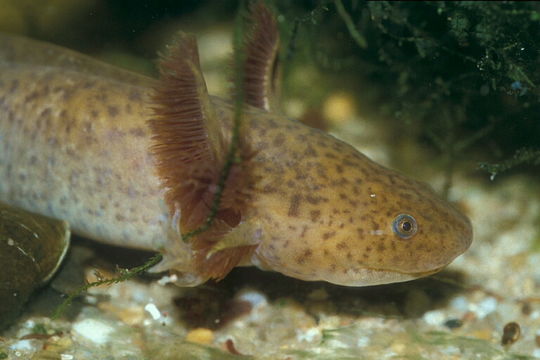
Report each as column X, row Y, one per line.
column 368, row 277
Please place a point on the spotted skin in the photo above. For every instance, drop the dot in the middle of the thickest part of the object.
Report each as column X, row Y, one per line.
column 75, row 145
column 328, row 211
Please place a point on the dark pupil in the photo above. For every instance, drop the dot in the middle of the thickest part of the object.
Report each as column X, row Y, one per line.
column 406, row 226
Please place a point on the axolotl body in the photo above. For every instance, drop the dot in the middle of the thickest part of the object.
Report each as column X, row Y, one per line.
column 136, row 162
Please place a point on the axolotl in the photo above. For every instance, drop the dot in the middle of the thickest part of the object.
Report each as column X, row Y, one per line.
column 135, row 161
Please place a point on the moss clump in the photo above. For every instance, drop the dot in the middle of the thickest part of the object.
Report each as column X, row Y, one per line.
column 460, row 76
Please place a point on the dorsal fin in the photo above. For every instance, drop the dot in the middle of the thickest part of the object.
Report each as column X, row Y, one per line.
column 261, row 58
column 190, row 149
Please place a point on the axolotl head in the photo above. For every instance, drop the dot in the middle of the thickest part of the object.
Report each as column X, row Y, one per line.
column 296, row 200
column 333, row 214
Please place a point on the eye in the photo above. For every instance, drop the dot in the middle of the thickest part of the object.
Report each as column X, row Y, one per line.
column 404, row 226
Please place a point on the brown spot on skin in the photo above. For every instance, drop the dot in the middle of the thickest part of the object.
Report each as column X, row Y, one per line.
column 294, row 206
column 112, row 110
column 322, row 174
column 328, row 235
column 342, row 245
column 45, row 112
column 315, row 214
column 304, row 229
column 279, row 140
column 306, row 254
column 68, row 94
column 313, row 199
column 31, row 97
column 330, row 155
column 381, row 247
column 310, row 152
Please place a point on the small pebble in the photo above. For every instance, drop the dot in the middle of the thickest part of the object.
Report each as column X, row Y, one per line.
column 168, row 279
column 153, row 311
column 255, row 298
column 434, row 317
column 318, row 294
column 485, row 307
column 201, row 336
column 93, row 330
column 25, row 345
column 511, row 333
column 339, row 107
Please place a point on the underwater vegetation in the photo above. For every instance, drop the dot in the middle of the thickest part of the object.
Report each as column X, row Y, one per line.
column 461, row 76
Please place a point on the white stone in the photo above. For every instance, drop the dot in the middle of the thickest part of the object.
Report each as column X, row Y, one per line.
column 485, row 307
column 153, row 311
column 434, row 317
column 23, row 345
column 93, row 330
column 255, row 298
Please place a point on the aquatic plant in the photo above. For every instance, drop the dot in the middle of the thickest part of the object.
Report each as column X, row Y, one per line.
column 473, row 62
